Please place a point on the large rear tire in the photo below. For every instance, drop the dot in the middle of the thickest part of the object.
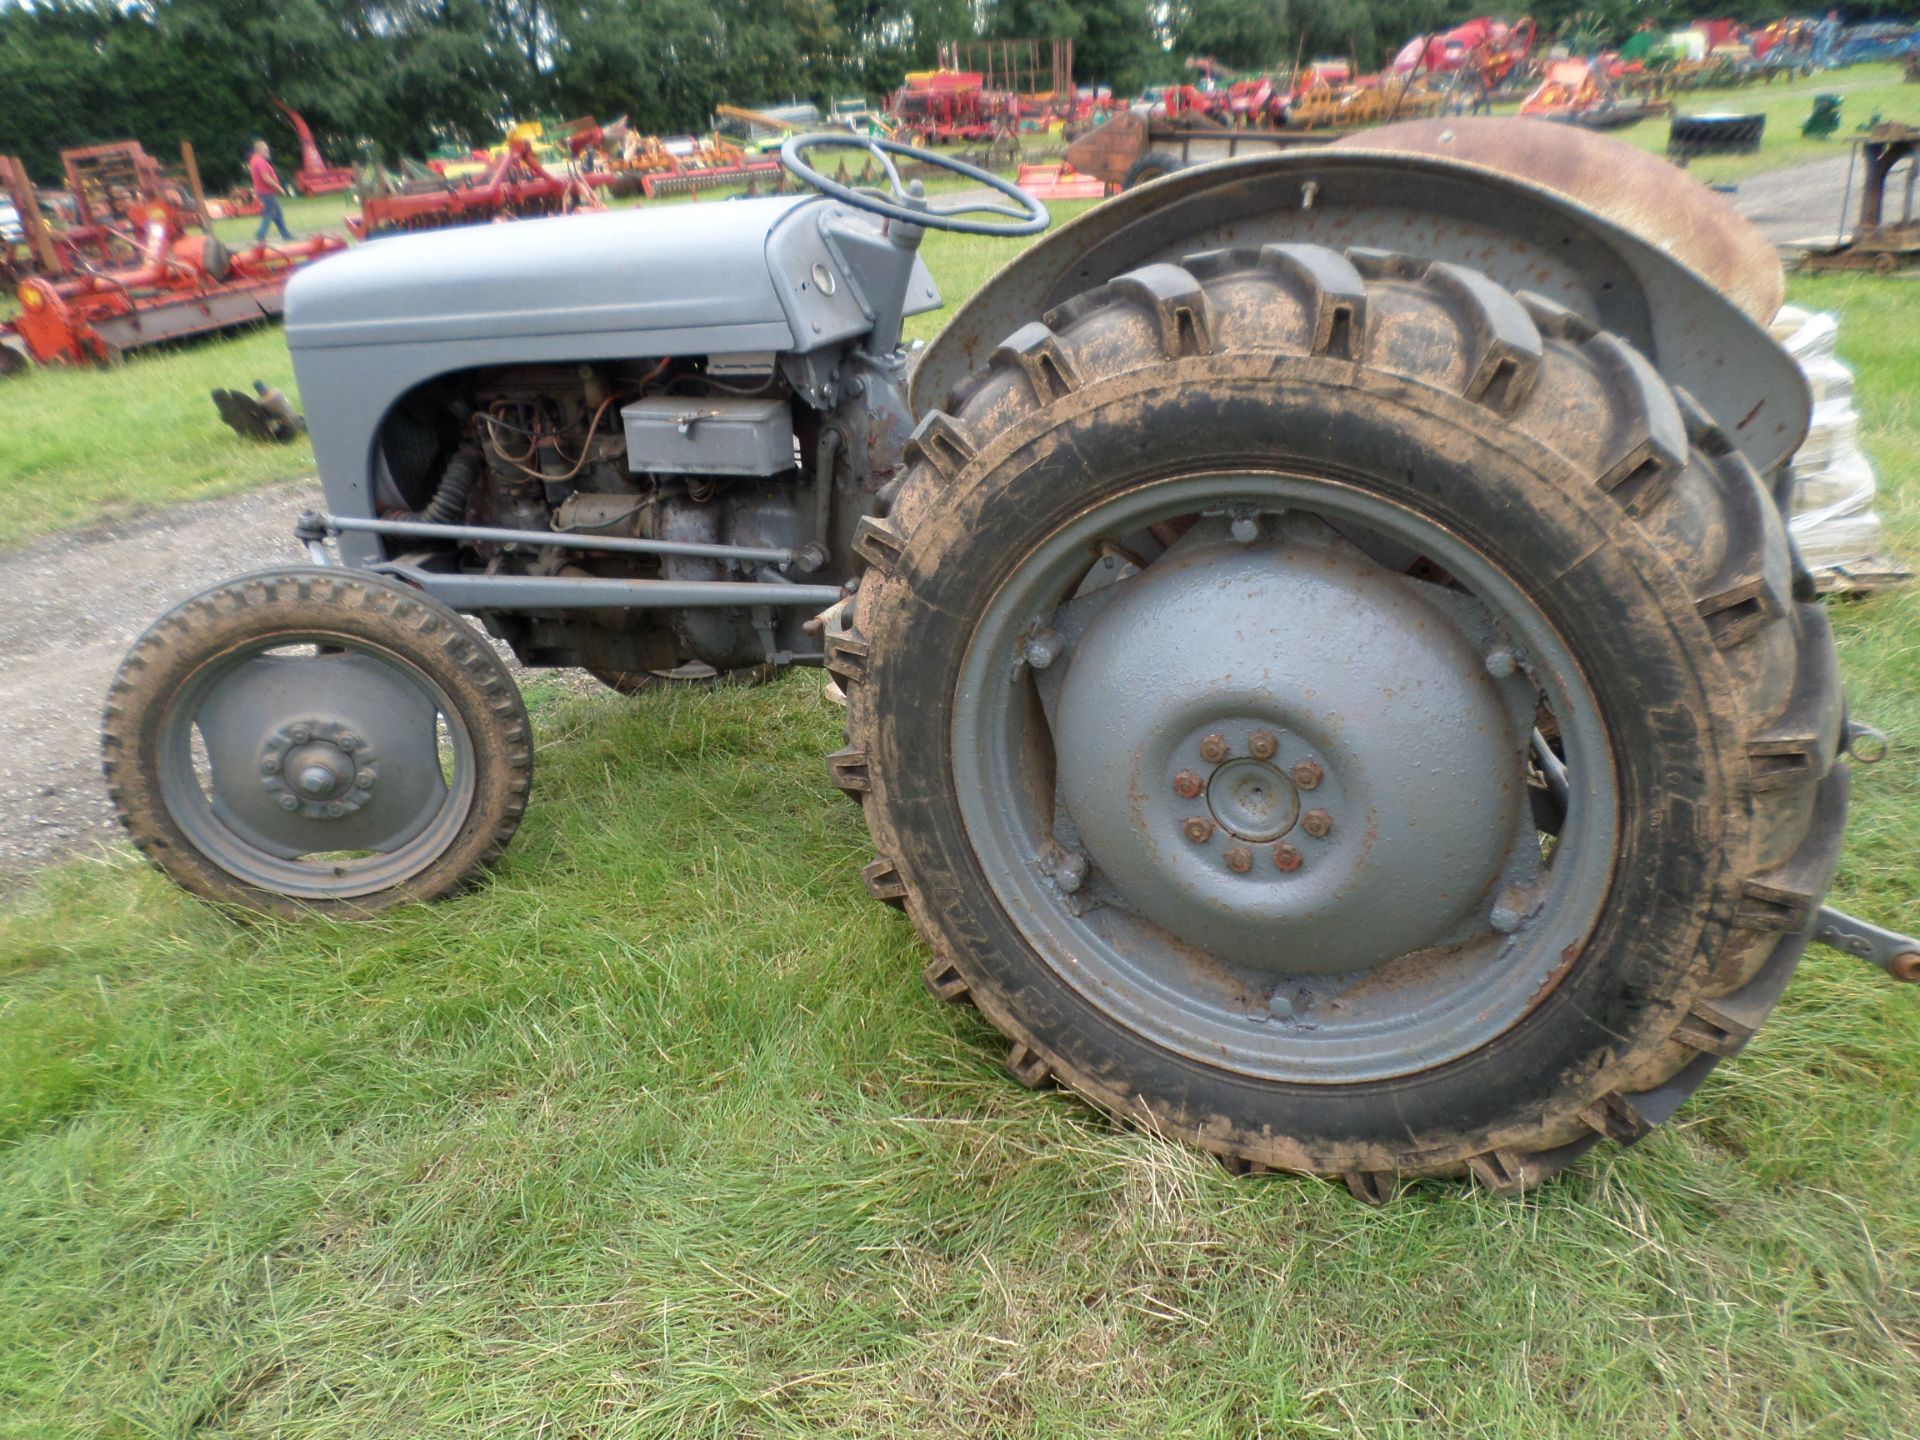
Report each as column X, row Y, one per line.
column 1470, row 563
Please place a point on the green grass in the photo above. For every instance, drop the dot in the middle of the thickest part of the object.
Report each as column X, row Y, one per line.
column 79, row 444
column 305, row 215
column 82, row 445
column 657, row 1134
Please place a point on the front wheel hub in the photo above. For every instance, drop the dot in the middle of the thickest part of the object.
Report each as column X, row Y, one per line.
column 1295, row 659
column 319, row 769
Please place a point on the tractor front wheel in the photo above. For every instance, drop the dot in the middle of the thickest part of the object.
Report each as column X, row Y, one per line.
column 314, row 739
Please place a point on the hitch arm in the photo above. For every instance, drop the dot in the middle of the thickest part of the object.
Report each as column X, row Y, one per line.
column 1898, row 955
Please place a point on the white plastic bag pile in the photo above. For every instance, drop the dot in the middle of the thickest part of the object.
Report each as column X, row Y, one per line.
column 1833, row 520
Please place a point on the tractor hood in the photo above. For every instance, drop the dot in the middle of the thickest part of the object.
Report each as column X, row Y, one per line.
column 787, row 276
column 652, row 271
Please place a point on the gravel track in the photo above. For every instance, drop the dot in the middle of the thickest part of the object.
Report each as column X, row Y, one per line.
column 1799, row 202
column 74, row 603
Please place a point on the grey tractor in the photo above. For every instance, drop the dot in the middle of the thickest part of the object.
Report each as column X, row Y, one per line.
column 1324, row 668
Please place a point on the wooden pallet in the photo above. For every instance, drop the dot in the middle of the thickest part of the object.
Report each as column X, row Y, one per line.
column 1862, row 577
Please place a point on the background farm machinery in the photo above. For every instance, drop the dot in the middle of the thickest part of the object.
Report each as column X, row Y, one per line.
column 178, row 285
column 128, row 270
column 941, row 107
column 685, row 165
column 1581, row 92
column 514, row 185
column 315, row 176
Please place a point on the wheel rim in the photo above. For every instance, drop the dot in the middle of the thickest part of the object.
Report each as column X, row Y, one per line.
column 323, row 767
column 1262, row 793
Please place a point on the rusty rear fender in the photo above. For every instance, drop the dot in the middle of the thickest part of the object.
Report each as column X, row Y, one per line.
column 1523, row 234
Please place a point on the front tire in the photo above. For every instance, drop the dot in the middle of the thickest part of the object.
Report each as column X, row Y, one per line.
column 1428, row 467
column 316, row 740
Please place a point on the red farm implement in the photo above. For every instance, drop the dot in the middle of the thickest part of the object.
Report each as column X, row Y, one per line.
column 181, row 285
column 125, row 273
column 1578, row 92
column 705, row 165
column 620, row 159
column 117, row 189
column 936, row 107
column 315, row 176
column 1059, row 181
column 516, row 185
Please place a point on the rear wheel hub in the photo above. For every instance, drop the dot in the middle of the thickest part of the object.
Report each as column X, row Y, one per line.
column 1332, row 666
column 1252, row 800
column 1262, row 793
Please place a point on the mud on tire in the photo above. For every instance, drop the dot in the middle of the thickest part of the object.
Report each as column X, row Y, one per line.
column 1549, row 449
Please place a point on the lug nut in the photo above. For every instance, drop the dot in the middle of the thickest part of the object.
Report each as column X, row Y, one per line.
column 301, row 734
column 1510, row 909
column 1308, row 774
column 1199, row 831
column 1239, row 859
column 1317, row 823
column 289, row 802
column 1070, row 871
column 1044, row 648
column 1261, row 744
column 349, row 742
column 364, row 780
column 270, row 765
column 1187, row 784
column 1286, row 858
column 1214, row 748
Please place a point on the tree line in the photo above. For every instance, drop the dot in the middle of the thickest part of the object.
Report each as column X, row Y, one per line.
column 407, row 75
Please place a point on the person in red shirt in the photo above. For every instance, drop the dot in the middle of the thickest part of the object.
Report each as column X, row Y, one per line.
column 266, row 185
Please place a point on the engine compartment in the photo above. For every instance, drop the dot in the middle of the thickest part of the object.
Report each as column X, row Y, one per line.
column 693, row 450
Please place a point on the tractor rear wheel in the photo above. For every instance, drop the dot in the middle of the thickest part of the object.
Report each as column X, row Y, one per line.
column 1333, row 710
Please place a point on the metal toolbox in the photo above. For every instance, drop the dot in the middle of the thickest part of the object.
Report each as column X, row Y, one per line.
column 709, row 435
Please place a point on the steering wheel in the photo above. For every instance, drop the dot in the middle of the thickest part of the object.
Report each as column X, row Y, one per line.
column 903, row 202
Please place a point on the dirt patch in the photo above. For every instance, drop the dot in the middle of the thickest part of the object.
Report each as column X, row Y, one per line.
column 74, row 603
